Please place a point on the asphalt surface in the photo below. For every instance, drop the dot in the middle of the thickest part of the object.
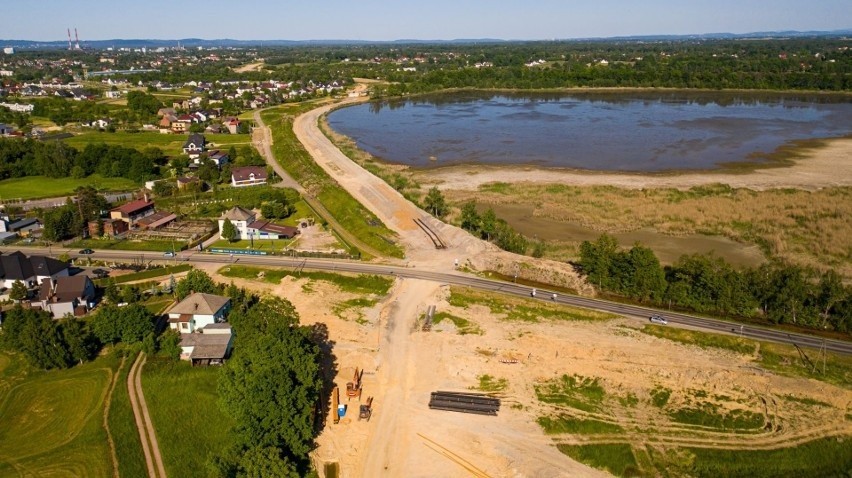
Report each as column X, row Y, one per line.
column 462, row 279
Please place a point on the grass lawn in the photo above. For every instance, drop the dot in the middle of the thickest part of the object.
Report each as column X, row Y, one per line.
column 122, row 426
column 617, row 458
column 51, row 423
column 825, row 457
column 158, row 303
column 361, row 284
column 169, row 143
column 182, row 401
column 259, row 244
column 33, row 187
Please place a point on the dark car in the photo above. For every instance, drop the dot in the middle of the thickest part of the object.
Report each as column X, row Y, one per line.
column 86, row 251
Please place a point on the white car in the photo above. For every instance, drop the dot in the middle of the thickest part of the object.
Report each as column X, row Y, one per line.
column 658, row 319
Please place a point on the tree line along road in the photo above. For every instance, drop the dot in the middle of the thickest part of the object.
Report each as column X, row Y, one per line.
column 466, row 280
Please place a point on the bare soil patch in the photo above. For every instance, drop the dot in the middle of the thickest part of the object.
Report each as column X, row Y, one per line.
column 822, row 167
column 403, row 364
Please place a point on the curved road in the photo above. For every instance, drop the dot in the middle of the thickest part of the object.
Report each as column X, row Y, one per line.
column 461, row 279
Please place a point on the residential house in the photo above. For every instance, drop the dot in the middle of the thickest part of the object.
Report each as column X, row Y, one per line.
column 74, row 295
column 212, row 346
column 180, row 104
column 219, row 158
column 99, row 123
column 240, row 218
column 197, row 311
column 166, row 112
column 184, row 182
column 6, row 129
column 195, row 145
column 248, row 176
column 233, row 125
column 111, row 228
column 133, row 211
column 179, row 126
column 267, row 230
column 25, row 226
column 30, row 270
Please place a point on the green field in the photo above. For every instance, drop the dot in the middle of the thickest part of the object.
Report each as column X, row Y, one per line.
column 361, row 284
column 169, row 143
column 34, row 187
column 182, row 401
column 51, row 423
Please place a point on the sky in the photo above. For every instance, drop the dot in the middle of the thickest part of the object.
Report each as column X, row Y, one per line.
column 47, row 20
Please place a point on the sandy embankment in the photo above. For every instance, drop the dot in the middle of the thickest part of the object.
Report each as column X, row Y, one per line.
column 828, row 166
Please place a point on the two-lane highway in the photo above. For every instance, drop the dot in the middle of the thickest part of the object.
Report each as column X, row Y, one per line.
column 467, row 280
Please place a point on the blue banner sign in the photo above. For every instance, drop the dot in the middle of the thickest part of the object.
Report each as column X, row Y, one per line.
column 241, row 252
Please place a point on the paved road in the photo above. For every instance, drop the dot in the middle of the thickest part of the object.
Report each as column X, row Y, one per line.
column 462, row 279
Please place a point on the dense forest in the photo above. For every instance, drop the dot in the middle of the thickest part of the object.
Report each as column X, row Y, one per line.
column 55, row 159
column 776, row 292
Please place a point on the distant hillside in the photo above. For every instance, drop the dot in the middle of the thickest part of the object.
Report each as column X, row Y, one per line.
column 230, row 43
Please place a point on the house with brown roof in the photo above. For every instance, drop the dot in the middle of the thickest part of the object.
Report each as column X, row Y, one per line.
column 197, row 311
column 133, row 211
column 248, row 176
column 268, row 230
column 74, row 295
column 156, row 220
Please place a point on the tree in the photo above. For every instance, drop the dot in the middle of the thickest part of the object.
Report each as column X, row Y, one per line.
column 195, row 281
column 271, row 384
column 170, row 344
column 128, row 324
column 262, row 462
column 434, row 203
column 596, row 259
column 82, row 345
column 164, row 188
column 18, row 291
column 229, row 232
column 36, row 335
column 149, row 344
column 538, row 249
column 469, row 217
column 488, row 224
column 831, row 293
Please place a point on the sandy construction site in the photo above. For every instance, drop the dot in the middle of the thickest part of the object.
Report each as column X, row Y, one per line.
column 403, row 364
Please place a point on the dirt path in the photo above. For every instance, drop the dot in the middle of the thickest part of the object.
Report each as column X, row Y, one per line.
column 388, row 440
column 150, row 447
column 107, row 404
